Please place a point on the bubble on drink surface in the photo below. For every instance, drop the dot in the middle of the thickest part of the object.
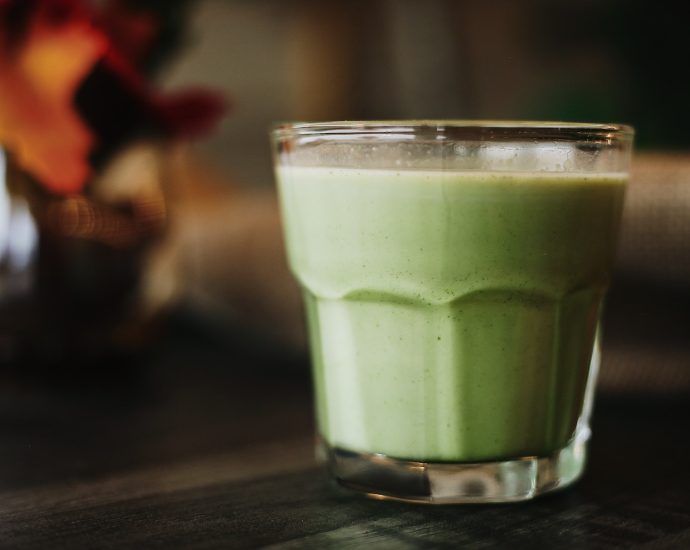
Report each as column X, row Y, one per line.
column 502, row 156
column 554, row 157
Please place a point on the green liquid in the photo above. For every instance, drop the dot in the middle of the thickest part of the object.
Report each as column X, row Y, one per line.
column 452, row 315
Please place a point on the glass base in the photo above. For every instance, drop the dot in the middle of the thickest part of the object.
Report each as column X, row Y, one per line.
column 524, row 478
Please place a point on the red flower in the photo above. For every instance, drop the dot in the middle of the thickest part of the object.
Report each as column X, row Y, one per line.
column 39, row 74
column 68, row 98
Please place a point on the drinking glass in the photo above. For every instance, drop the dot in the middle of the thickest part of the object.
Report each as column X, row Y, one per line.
column 453, row 274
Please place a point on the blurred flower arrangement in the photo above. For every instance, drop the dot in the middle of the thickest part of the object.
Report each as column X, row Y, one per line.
column 83, row 132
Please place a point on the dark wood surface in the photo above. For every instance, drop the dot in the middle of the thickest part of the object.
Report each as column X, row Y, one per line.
column 198, row 450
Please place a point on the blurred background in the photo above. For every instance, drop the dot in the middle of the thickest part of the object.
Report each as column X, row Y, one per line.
column 610, row 61
column 211, row 262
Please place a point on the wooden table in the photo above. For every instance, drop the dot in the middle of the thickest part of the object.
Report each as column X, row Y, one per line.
column 203, row 450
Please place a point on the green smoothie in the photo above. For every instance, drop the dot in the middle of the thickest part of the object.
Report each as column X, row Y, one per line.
column 451, row 315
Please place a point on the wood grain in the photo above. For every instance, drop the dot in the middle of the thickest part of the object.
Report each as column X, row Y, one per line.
column 204, row 451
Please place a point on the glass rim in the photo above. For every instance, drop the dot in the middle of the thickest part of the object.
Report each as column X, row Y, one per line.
column 457, row 129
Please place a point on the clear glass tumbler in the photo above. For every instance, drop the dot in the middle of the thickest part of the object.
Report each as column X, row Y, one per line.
column 453, row 275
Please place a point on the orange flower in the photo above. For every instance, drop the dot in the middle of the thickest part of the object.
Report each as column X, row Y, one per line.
column 69, row 98
column 38, row 79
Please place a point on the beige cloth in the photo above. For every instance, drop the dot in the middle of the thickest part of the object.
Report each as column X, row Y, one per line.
column 655, row 236
column 647, row 349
